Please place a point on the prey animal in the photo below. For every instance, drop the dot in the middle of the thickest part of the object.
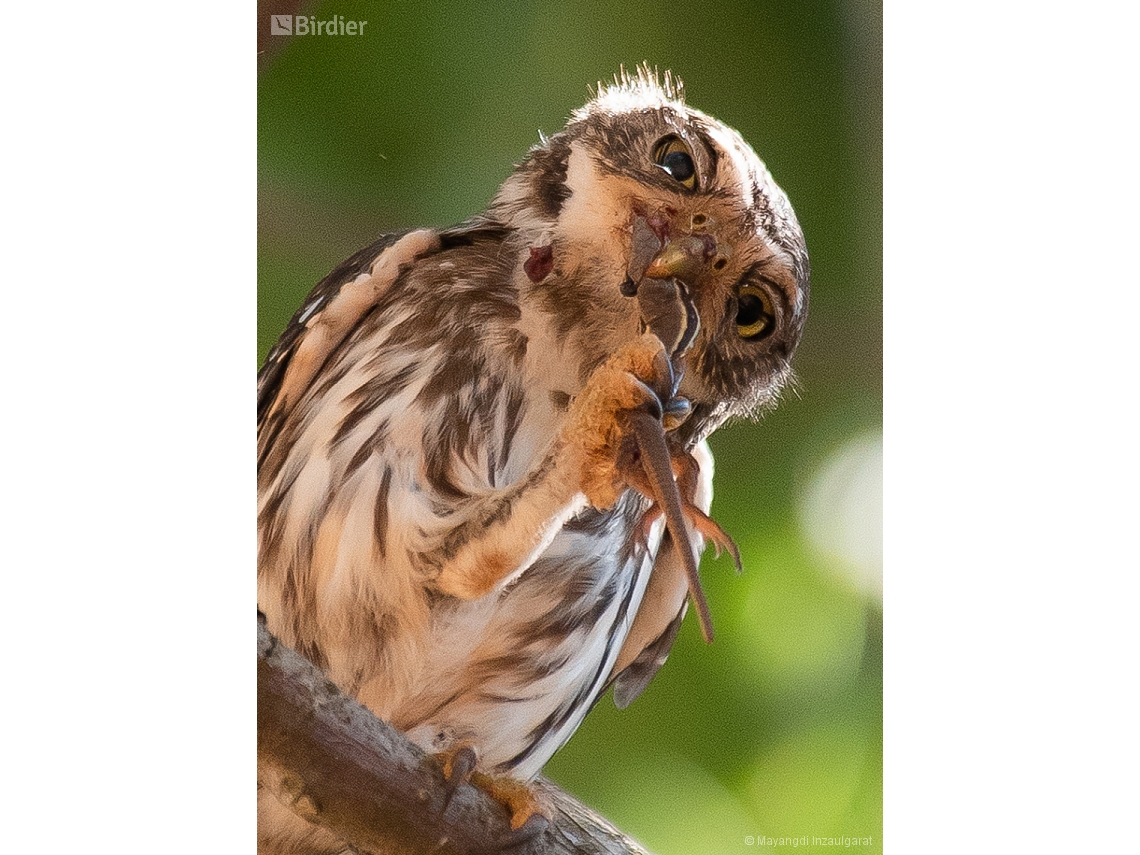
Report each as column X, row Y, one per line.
column 483, row 475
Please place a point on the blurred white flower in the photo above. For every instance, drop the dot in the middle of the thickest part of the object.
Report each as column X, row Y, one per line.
column 841, row 512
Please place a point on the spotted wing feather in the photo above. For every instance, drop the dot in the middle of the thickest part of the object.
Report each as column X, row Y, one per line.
column 326, row 317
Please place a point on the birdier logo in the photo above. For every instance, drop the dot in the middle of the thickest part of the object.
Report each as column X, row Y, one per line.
column 307, row 25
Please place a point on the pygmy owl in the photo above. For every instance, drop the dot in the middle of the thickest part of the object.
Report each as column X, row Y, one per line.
column 482, row 462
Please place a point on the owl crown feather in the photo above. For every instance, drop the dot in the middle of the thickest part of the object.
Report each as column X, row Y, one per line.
column 644, row 87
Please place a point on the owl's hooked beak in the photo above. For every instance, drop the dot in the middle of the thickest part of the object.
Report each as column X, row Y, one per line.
column 683, row 258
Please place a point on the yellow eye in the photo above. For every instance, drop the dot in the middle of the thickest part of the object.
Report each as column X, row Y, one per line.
column 755, row 314
column 673, row 156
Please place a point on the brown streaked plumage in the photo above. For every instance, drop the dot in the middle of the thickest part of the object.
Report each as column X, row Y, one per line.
column 459, row 515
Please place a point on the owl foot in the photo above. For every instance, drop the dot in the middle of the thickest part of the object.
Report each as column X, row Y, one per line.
column 520, row 800
column 458, row 764
column 624, row 385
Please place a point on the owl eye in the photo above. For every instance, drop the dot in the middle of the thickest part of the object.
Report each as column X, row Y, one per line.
column 755, row 313
column 673, row 156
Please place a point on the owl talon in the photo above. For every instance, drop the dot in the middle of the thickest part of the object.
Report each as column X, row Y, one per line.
column 629, row 381
column 521, row 838
column 459, row 764
column 518, row 798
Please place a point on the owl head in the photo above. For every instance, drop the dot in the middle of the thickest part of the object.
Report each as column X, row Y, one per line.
column 639, row 184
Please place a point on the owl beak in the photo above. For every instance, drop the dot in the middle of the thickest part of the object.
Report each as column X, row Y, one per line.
column 683, row 258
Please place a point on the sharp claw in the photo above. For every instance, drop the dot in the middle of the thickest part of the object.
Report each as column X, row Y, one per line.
column 656, row 460
column 518, row 798
column 676, row 413
column 521, row 839
column 458, row 765
column 651, row 405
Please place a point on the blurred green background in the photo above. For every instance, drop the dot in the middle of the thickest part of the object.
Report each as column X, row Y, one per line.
column 775, row 730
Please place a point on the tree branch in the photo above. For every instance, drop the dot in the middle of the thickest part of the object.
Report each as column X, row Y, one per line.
column 338, row 766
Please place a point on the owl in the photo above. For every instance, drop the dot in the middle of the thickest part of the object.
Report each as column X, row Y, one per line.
column 483, row 474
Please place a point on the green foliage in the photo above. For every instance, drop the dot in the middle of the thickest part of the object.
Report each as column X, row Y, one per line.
column 775, row 730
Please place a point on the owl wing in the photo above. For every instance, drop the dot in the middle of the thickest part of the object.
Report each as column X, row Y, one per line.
column 326, row 317
column 666, row 599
